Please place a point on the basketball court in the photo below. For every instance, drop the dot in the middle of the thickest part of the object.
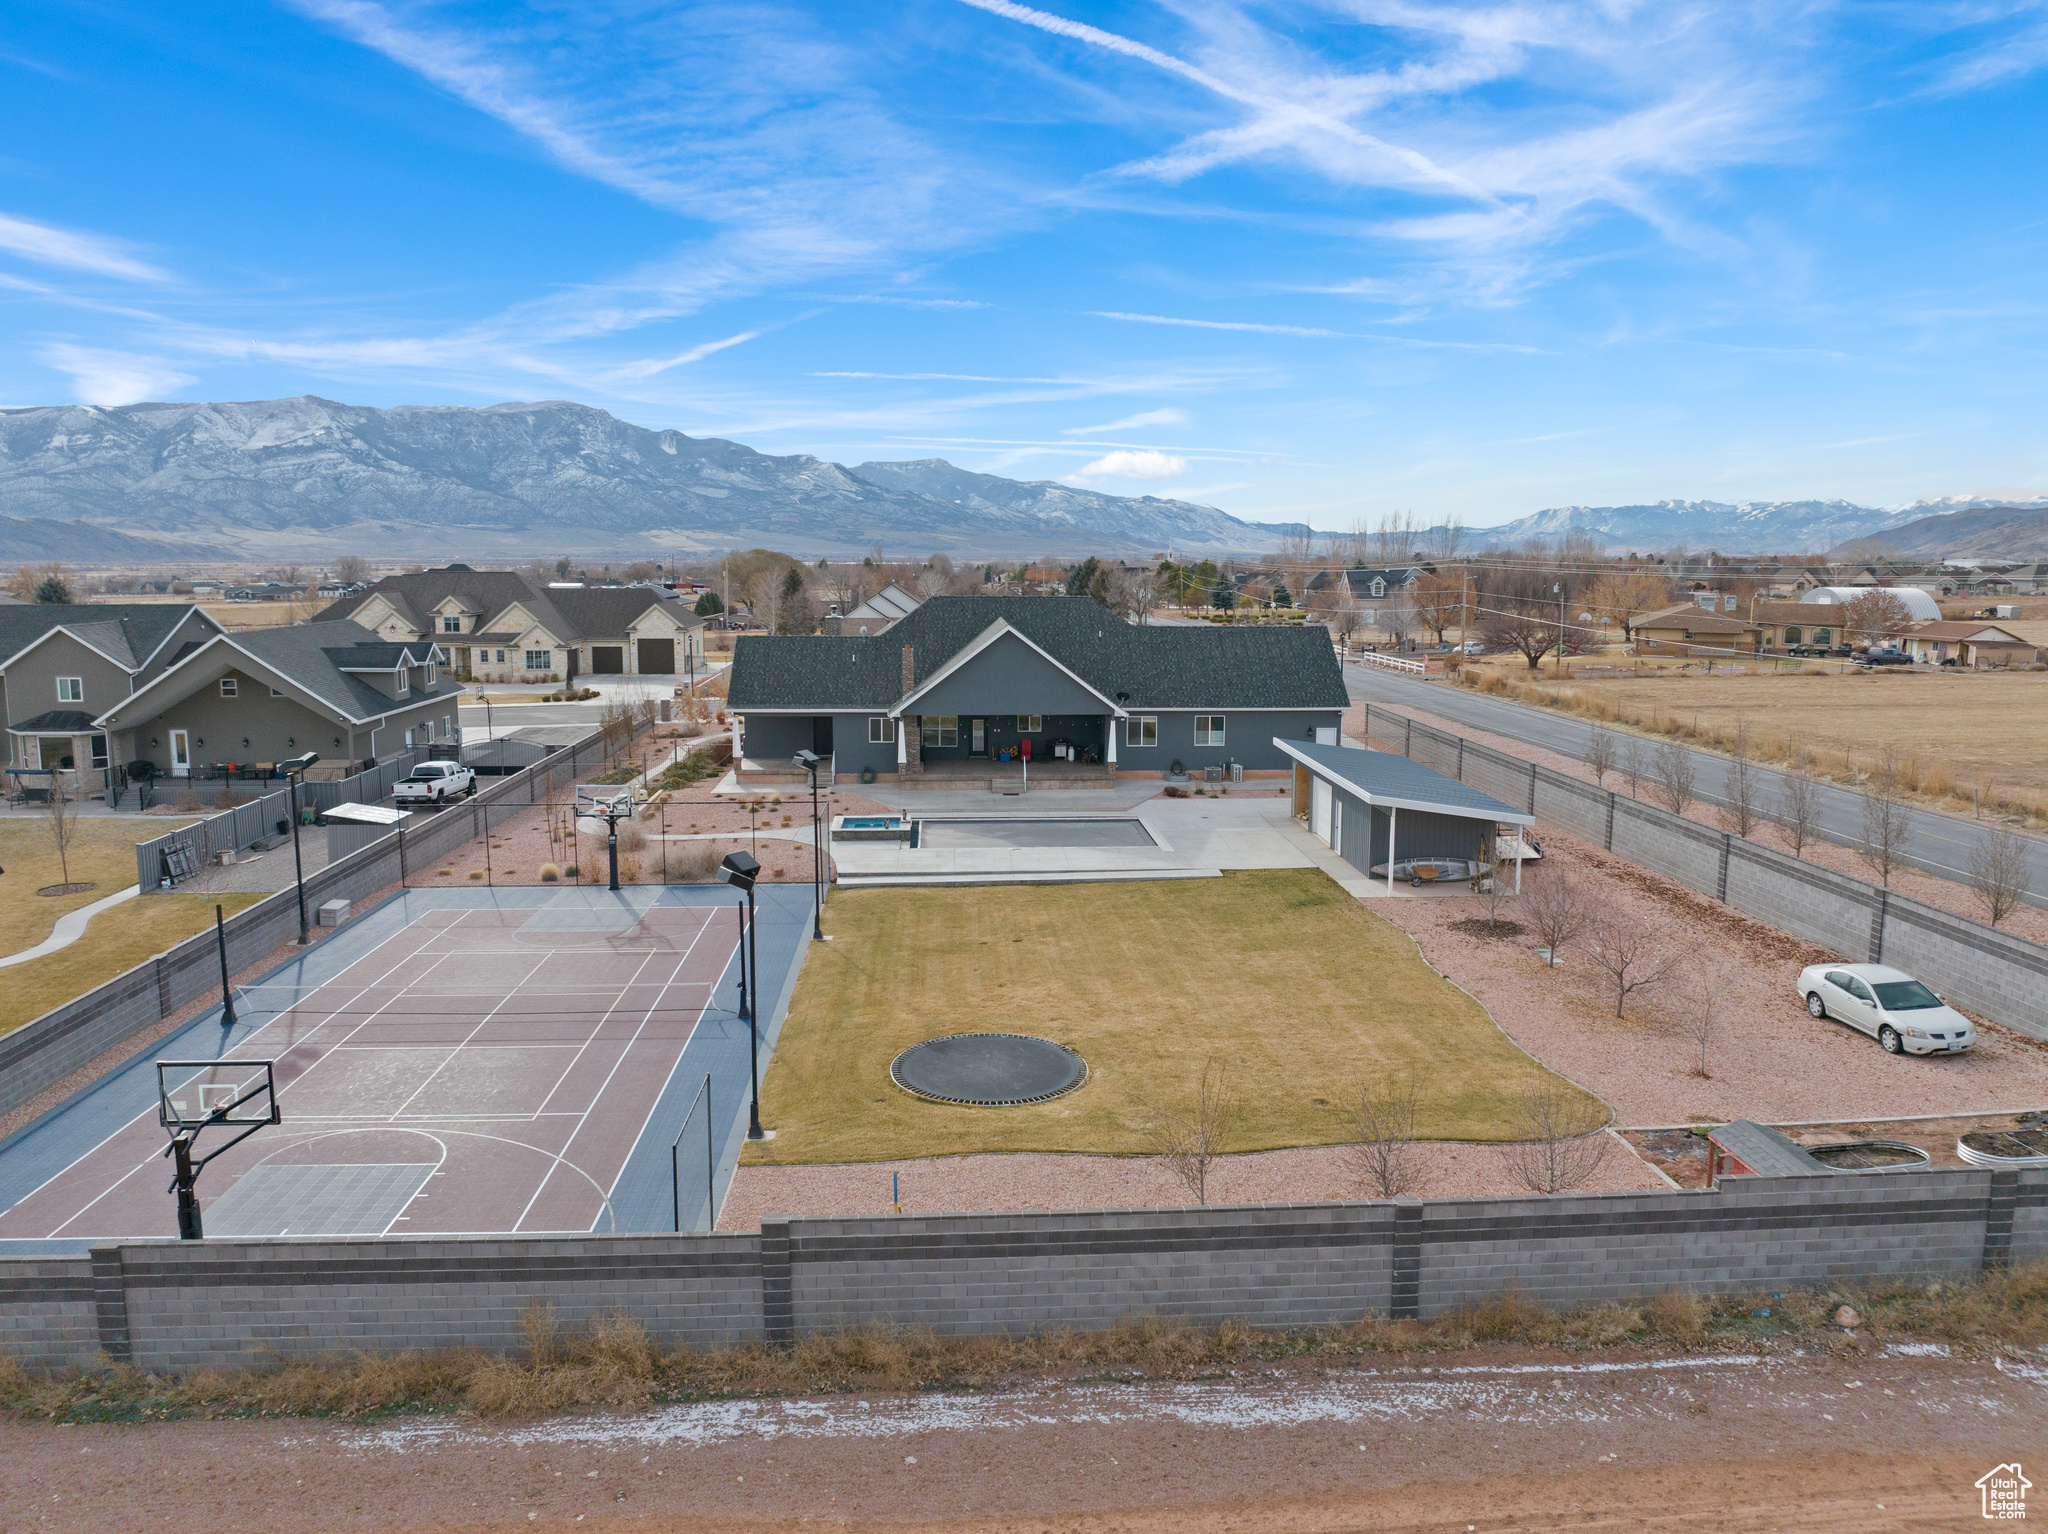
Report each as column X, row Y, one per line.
column 455, row 1062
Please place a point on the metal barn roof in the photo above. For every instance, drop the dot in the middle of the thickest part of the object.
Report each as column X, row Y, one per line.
column 1384, row 778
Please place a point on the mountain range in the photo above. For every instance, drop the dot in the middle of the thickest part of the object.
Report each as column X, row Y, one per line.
column 306, row 480
column 311, row 479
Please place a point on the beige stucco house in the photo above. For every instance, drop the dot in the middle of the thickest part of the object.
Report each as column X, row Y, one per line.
column 500, row 626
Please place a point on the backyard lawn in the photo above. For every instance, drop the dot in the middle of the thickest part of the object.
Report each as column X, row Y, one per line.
column 102, row 852
column 1298, row 989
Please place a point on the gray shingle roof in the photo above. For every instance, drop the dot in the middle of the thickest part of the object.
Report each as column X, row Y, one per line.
column 128, row 631
column 569, row 613
column 1151, row 668
column 58, row 721
column 1385, row 775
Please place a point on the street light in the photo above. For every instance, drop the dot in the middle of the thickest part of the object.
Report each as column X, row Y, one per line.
column 740, row 871
column 293, row 771
column 808, row 760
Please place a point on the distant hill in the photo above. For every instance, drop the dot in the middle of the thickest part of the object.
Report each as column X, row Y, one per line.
column 1982, row 532
column 1745, row 527
column 308, row 479
column 26, row 540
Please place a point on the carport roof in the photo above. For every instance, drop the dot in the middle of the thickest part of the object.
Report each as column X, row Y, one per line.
column 1381, row 777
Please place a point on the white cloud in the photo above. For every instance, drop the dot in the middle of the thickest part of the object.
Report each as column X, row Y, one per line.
column 51, row 246
column 1145, row 464
column 1264, row 330
column 1166, row 417
column 640, row 371
column 115, row 378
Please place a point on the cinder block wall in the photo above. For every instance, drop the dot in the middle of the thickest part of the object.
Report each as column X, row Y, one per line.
column 178, row 1306
column 1993, row 973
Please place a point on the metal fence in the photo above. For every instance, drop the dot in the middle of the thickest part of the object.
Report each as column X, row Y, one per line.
column 693, row 1164
column 41, row 1053
column 1985, row 971
column 254, row 819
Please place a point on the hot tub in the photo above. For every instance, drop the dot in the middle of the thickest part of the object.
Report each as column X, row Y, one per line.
column 871, row 828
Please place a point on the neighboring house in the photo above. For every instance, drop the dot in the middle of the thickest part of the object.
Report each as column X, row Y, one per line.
column 1975, row 645
column 963, row 681
column 1781, row 625
column 1368, row 591
column 890, row 605
column 2029, row 579
column 1691, row 630
column 498, row 626
column 265, row 695
column 62, row 665
column 265, row 591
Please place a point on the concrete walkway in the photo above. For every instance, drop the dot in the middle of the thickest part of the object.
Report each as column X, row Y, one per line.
column 70, row 927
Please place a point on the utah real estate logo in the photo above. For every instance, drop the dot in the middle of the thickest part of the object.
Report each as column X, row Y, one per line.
column 2005, row 1493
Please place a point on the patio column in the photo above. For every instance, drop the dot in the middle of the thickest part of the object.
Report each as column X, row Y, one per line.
column 902, row 745
column 1110, row 755
column 1391, row 813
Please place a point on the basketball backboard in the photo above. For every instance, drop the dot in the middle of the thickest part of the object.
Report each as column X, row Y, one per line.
column 596, row 800
column 195, row 1093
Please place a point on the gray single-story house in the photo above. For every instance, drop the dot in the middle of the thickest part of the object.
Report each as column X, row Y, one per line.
column 1375, row 808
column 252, row 699
column 976, row 686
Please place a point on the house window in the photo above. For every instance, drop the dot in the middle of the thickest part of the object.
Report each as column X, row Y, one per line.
column 277, row 692
column 1792, row 634
column 1030, row 724
column 70, row 689
column 1141, row 730
column 451, row 625
column 881, row 730
column 404, row 681
column 430, row 673
column 941, row 730
column 1379, row 587
column 539, row 660
column 228, row 686
column 1823, row 636
column 99, row 751
column 1208, row 729
column 501, row 657
column 428, row 728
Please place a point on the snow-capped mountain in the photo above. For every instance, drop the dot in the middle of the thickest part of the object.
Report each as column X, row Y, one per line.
column 311, row 478
column 1747, row 527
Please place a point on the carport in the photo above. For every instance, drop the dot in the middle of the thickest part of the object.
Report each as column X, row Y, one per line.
column 1371, row 807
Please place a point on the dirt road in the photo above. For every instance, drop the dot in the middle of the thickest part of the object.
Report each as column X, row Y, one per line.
column 1474, row 1441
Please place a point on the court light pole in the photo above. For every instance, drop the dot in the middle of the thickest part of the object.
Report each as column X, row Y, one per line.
column 808, row 760
column 293, row 771
column 740, row 871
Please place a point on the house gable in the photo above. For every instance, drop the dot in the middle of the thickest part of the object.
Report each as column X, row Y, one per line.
column 1004, row 670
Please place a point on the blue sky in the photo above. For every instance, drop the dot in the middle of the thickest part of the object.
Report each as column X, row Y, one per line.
column 1298, row 260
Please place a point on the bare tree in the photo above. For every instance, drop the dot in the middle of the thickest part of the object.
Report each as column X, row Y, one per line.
column 1525, row 633
column 1440, row 544
column 1381, row 1155
column 1621, row 596
column 1190, row 1139
column 1698, row 1012
column 1439, row 600
column 351, row 568
column 1633, row 765
column 1877, row 614
column 1600, row 755
column 1674, row 777
column 1799, row 802
column 1487, row 885
column 1395, row 539
column 1998, row 872
column 1555, row 908
column 1397, row 616
column 1887, row 823
column 1629, row 952
column 1563, row 1139
column 1743, row 787
column 60, row 818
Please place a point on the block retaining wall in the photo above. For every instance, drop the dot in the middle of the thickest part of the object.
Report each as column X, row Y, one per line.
column 1991, row 973
column 41, row 1053
column 177, row 1306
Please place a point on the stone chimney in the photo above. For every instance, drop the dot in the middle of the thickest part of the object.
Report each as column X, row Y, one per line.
column 911, row 725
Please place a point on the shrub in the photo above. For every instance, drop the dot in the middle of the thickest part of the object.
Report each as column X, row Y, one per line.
column 549, row 873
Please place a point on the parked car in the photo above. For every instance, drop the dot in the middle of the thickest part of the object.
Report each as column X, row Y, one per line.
column 1884, row 657
column 1474, row 647
column 1888, row 1004
column 434, row 783
column 1421, row 871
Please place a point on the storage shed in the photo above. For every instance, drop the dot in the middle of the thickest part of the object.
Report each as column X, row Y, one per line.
column 1374, row 807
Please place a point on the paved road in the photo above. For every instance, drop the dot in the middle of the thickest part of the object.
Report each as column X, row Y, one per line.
column 504, row 718
column 1941, row 844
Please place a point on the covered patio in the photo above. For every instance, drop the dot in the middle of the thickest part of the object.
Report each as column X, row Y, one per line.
column 1380, row 811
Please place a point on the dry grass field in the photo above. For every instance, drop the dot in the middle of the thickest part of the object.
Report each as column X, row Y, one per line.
column 1294, row 985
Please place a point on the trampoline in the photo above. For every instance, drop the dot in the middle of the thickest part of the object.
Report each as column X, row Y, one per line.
column 988, row 1070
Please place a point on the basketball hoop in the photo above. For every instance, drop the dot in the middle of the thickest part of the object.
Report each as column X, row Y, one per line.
column 610, row 805
column 196, row 1095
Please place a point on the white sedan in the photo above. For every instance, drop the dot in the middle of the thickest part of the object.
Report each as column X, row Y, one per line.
column 1889, row 1005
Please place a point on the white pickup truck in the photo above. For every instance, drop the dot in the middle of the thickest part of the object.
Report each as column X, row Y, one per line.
column 434, row 783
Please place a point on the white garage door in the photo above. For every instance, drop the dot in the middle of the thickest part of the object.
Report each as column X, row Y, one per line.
column 1319, row 809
